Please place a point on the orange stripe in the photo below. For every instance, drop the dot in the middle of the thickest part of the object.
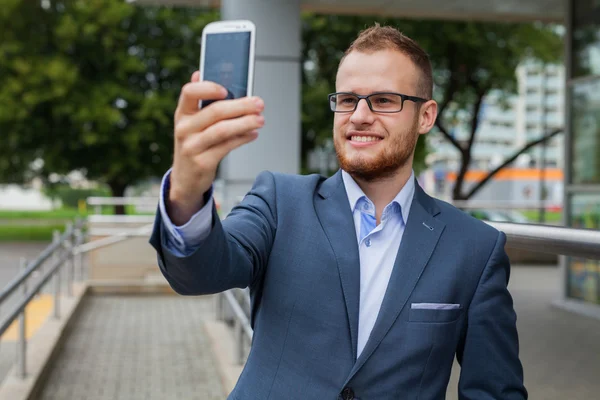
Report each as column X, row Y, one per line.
column 512, row 174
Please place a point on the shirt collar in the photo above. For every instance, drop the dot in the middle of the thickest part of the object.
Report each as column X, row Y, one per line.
column 403, row 198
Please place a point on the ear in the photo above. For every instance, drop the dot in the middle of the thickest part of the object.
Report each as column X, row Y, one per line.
column 427, row 116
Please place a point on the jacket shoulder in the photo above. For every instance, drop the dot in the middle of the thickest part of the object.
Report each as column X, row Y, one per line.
column 294, row 183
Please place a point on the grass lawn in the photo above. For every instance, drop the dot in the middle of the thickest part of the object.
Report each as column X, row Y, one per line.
column 62, row 213
column 21, row 233
column 39, row 225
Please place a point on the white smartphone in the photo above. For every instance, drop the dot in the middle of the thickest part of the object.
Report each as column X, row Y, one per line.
column 227, row 57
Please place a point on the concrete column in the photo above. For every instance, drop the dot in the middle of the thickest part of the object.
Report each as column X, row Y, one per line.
column 277, row 79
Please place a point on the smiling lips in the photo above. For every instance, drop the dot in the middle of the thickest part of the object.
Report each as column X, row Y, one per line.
column 363, row 139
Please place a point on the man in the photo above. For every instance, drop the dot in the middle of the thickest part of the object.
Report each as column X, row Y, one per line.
column 363, row 286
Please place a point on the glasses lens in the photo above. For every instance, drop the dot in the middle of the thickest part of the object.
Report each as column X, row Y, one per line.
column 386, row 102
column 343, row 102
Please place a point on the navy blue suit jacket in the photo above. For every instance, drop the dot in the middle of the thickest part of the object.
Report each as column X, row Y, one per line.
column 292, row 241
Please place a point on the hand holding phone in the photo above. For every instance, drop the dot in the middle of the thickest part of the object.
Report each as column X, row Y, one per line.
column 204, row 137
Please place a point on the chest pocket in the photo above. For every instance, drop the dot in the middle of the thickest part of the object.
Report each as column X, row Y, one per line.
column 435, row 315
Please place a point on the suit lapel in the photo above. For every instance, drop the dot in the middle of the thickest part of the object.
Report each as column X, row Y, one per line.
column 333, row 209
column 420, row 237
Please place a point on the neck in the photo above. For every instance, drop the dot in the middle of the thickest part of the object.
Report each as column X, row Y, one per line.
column 382, row 191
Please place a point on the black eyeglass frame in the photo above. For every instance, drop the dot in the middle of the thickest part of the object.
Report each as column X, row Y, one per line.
column 404, row 97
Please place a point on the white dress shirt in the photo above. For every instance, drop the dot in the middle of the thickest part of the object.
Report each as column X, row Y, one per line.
column 377, row 245
column 377, row 248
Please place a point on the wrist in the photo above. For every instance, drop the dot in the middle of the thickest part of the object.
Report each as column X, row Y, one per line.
column 181, row 206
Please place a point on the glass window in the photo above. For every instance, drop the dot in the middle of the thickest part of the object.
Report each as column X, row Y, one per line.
column 586, row 37
column 583, row 281
column 585, row 127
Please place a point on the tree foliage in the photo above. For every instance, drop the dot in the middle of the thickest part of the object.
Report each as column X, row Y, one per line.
column 91, row 85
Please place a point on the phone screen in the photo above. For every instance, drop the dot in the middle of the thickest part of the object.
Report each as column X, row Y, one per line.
column 226, row 59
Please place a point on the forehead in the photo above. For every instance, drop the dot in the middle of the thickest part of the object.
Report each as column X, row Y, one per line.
column 384, row 70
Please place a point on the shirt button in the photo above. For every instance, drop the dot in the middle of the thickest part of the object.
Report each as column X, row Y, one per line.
column 368, row 242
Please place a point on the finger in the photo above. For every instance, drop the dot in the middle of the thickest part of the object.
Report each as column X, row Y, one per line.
column 193, row 92
column 221, row 132
column 219, row 111
column 196, row 76
column 217, row 153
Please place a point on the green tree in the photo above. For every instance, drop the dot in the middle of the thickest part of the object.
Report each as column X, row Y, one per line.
column 91, row 85
column 470, row 60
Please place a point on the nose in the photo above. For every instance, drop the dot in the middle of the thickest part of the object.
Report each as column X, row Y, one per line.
column 363, row 114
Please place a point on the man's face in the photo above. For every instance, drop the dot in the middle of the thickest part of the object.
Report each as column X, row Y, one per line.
column 373, row 146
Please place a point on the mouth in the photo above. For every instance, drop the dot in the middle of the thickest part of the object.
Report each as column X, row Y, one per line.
column 363, row 138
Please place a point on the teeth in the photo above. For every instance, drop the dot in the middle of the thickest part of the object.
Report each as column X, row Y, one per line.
column 364, row 138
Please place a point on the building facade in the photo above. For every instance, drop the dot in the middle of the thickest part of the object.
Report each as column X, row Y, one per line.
column 507, row 125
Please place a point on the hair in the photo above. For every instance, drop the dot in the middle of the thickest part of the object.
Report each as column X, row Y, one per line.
column 379, row 37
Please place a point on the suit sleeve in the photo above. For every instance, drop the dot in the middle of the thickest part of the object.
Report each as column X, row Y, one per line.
column 489, row 350
column 183, row 240
column 235, row 252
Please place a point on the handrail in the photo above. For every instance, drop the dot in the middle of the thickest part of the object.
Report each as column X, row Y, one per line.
column 62, row 251
column 67, row 250
column 551, row 239
column 20, row 306
column 35, row 264
column 119, row 237
column 241, row 322
column 239, row 313
column 504, row 205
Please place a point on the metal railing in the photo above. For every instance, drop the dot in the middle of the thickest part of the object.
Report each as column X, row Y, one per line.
column 62, row 251
column 551, row 239
column 505, row 205
column 66, row 250
column 234, row 305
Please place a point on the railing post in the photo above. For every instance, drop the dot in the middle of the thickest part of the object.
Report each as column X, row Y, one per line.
column 221, row 306
column 22, row 329
column 69, row 247
column 77, row 256
column 84, row 256
column 56, row 257
column 240, row 340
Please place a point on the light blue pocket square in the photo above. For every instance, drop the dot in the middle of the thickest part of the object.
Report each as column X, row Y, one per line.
column 434, row 306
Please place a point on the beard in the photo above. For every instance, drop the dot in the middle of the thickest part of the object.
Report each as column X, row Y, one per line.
column 394, row 156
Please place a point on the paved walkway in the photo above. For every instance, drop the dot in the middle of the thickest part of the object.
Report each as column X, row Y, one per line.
column 152, row 348
column 136, row 347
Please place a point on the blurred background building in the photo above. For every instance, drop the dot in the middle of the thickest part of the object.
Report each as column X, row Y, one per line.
column 507, row 124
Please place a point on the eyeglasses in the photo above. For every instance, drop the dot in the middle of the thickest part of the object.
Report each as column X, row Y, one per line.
column 383, row 102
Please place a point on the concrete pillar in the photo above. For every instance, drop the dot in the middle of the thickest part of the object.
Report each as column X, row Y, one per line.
column 277, row 79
